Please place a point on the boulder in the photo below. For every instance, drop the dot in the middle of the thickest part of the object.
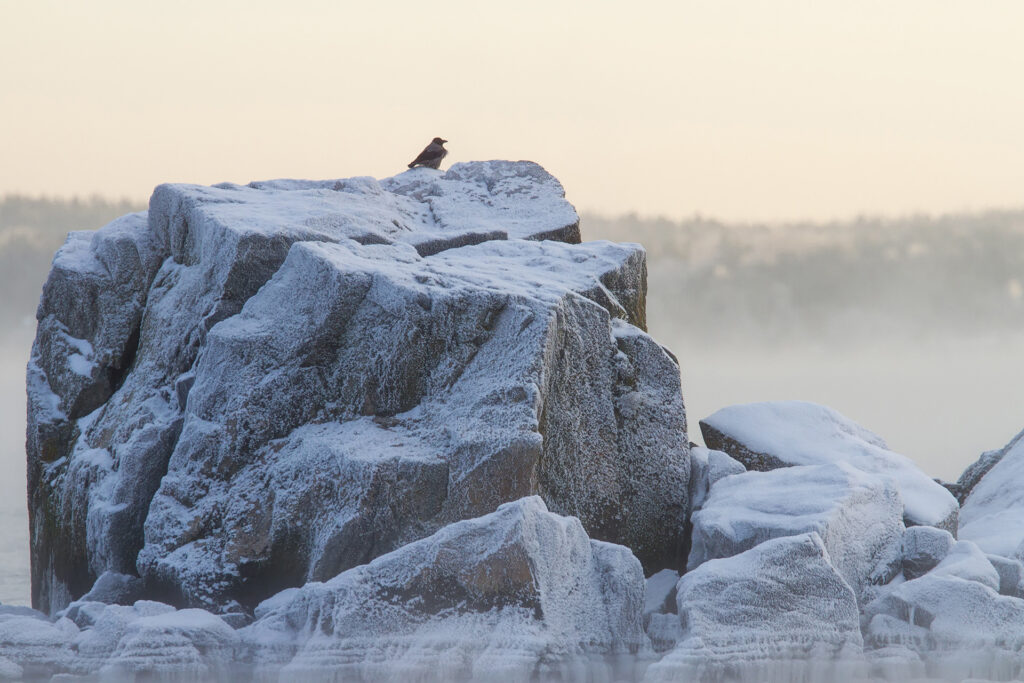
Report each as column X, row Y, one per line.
column 959, row 628
column 980, row 467
column 516, row 594
column 205, row 375
column 779, row 611
column 766, row 436
column 992, row 514
column 923, row 548
column 145, row 641
column 706, row 468
column 856, row 515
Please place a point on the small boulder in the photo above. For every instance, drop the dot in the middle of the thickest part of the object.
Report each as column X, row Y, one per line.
column 766, row 436
column 857, row 516
column 777, row 611
column 923, row 548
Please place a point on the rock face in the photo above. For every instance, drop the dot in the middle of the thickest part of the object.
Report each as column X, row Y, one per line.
column 993, row 511
column 765, row 436
column 249, row 388
column 735, row 627
column 514, row 594
column 857, row 516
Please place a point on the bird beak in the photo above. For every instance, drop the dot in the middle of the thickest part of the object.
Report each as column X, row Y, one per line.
column 443, row 142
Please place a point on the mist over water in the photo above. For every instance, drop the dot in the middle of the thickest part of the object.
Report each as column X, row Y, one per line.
column 911, row 327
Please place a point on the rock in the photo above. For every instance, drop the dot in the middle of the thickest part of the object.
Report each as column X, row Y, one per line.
column 966, row 561
column 779, row 611
column 435, row 379
column 980, row 467
column 706, row 468
column 961, row 629
column 857, row 516
column 661, row 620
column 992, row 514
column 518, row 593
column 115, row 589
column 923, row 548
column 1011, row 575
column 146, row 641
column 765, row 436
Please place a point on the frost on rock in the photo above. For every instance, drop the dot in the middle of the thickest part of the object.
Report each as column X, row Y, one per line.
column 314, row 373
column 515, row 594
column 707, row 467
column 993, row 511
column 857, row 516
column 144, row 641
column 766, row 436
column 779, row 611
column 950, row 623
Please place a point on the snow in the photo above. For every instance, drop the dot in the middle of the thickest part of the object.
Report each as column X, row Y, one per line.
column 802, row 433
column 515, row 592
column 857, row 515
column 993, row 513
column 734, row 629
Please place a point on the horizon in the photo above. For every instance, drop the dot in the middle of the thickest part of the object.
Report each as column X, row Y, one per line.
column 744, row 111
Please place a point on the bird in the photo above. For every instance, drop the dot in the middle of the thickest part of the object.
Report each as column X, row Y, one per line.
column 431, row 155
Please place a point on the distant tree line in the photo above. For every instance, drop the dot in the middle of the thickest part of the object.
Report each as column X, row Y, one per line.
column 31, row 231
column 710, row 282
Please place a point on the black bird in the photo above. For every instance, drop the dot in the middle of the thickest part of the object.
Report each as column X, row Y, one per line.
column 431, row 155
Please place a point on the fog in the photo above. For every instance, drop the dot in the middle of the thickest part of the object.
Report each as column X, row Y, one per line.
column 911, row 326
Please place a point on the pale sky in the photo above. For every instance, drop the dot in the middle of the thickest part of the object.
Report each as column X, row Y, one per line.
column 764, row 109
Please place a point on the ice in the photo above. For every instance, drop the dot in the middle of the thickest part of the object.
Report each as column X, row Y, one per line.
column 779, row 611
column 775, row 434
column 856, row 515
column 993, row 513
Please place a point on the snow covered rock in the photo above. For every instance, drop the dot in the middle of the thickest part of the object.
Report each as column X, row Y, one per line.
column 518, row 593
column 1011, row 575
column 706, row 468
column 660, row 615
column 923, row 548
column 992, row 514
column 314, row 373
column 779, row 611
column 765, row 436
column 856, row 515
column 145, row 641
column 959, row 628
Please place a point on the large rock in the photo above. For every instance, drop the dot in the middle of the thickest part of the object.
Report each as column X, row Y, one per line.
column 856, row 515
column 384, row 382
column 765, row 436
column 779, row 611
column 993, row 511
column 517, row 594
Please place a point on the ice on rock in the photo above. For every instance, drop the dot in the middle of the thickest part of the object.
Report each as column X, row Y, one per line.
column 779, row 611
column 706, row 468
column 923, row 548
column 518, row 593
column 433, row 389
column 856, row 515
column 766, row 436
column 992, row 514
column 661, row 620
column 1011, row 575
column 959, row 628
column 435, row 379
column 144, row 641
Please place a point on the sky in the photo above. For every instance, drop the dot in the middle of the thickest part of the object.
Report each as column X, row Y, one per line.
column 755, row 110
